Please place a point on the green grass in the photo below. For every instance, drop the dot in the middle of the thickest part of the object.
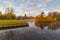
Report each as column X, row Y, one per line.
column 12, row 22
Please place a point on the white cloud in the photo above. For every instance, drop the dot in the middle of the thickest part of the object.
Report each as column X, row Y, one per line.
column 22, row 6
column 47, row 1
column 2, row 8
column 54, row 8
column 9, row 2
column 31, row 6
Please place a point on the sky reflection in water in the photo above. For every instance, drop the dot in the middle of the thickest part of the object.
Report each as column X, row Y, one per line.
column 30, row 33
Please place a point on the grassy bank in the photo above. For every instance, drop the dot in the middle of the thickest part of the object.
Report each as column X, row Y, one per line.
column 12, row 24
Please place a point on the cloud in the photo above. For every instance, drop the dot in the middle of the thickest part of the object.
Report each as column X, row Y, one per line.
column 9, row 2
column 55, row 8
column 30, row 7
column 2, row 8
column 47, row 1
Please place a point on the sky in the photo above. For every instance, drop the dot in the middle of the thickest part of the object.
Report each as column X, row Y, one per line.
column 30, row 7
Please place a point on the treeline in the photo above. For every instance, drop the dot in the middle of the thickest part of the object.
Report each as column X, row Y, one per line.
column 52, row 16
column 51, row 20
column 8, row 14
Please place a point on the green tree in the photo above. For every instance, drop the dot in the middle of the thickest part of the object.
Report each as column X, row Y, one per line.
column 9, row 13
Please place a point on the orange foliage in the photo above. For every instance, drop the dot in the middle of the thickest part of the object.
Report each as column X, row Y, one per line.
column 46, row 18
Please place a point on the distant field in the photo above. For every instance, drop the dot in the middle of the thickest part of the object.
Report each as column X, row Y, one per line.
column 12, row 22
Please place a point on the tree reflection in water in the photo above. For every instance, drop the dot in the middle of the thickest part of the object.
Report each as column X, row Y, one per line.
column 51, row 25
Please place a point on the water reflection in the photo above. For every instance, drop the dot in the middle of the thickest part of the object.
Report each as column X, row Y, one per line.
column 30, row 33
column 50, row 25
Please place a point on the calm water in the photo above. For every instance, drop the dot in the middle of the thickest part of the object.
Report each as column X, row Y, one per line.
column 30, row 33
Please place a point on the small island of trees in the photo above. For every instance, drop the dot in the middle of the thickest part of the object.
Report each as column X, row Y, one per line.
column 52, row 19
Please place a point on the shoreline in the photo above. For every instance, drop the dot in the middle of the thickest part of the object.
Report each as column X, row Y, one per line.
column 12, row 26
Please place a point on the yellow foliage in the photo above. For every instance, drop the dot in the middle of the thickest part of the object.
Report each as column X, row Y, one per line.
column 46, row 18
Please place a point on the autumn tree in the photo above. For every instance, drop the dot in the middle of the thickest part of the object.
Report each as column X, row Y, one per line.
column 56, row 15
column 9, row 13
column 42, row 20
column 42, row 15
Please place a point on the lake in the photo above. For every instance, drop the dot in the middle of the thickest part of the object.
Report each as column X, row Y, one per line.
column 30, row 33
